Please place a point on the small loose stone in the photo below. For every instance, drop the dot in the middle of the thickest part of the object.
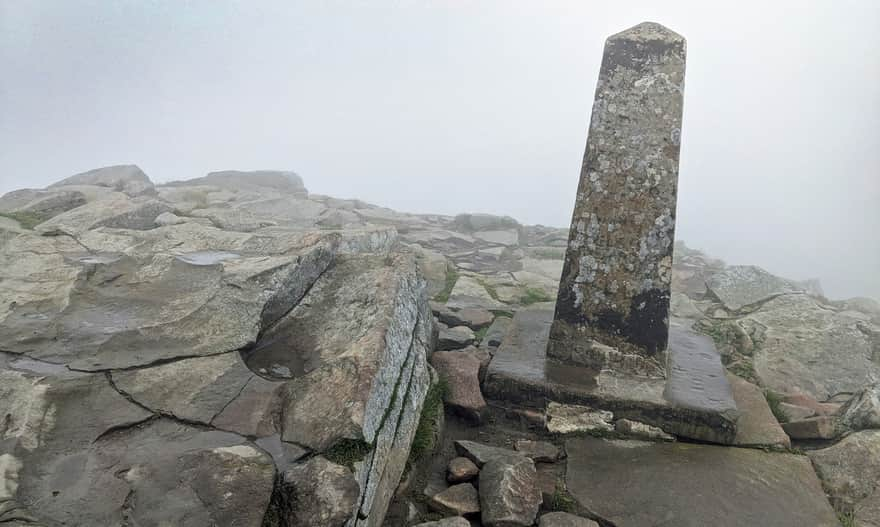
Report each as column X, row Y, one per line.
column 461, row 469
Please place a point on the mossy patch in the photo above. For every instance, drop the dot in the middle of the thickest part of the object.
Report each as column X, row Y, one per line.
column 489, row 289
column 774, row 401
column 534, row 296
column 426, row 434
column 27, row 220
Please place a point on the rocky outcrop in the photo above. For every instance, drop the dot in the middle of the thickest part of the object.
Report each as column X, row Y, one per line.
column 742, row 286
column 255, row 180
column 218, row 359
column 128, row 179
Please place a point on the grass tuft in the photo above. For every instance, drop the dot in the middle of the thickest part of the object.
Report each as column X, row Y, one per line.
column 425, row 436
column 847, row 519
column 348, row 451
column 561, row 501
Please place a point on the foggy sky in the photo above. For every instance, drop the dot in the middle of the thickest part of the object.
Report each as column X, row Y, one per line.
column 463, row 106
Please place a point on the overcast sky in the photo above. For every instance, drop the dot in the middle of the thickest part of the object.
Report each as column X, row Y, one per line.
column 465, row 106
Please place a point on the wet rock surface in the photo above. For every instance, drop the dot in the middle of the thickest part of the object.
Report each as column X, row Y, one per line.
column 735, row 486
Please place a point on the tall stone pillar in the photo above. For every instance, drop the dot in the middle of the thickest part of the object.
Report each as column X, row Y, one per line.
column 613, row 302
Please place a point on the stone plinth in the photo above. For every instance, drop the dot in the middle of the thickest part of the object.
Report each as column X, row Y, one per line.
column 694, row 401
column 613, row 303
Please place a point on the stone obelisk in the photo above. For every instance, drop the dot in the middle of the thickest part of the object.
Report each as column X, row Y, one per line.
column 613, row 303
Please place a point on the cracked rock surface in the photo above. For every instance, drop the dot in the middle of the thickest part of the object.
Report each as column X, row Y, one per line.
column 167, row 373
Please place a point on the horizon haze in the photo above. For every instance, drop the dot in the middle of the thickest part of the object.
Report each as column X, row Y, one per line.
column 451, row 107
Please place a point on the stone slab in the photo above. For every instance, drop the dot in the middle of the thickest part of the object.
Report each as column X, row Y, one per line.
column 757, row 426
column 688, row 485
column 520, row 372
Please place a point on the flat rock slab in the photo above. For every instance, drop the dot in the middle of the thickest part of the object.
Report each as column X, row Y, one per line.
column 757, row 426
column 742, row 286
column 521, row 372
column 696, row 377
column 690, row 485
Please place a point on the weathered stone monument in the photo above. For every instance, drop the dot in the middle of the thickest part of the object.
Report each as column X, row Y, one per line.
column 613, row 303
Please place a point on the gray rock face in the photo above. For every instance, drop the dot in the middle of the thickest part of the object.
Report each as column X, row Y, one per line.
column 159, row 306
column 741, row 286
column 615, row 284
column 151, row 327
column 509, row 495
column 319, row 493
column 484, row 222
column 128, row 179
column 113, row 211
column 804, row 346
column 195, row 389
column 237, row 180
column 850, row 471
column 691, row 485
column 47, row 204
column 863, row 410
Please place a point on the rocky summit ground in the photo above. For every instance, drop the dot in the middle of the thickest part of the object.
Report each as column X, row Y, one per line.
column 233, row 350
